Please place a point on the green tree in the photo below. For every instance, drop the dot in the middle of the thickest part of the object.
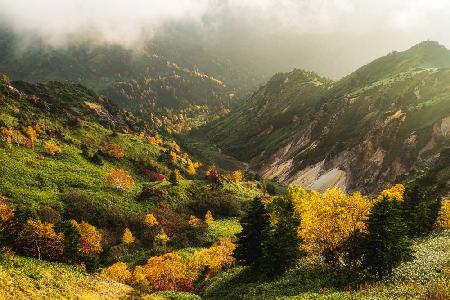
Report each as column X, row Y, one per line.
column 255, row 227
column 386, row 244
column 420, row 210
column 71, row 239
column 281, row 249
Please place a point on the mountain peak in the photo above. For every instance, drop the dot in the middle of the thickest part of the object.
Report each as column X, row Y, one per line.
column 428, row 45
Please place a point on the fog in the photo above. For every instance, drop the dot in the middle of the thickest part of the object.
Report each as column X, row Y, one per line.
column 330, row 37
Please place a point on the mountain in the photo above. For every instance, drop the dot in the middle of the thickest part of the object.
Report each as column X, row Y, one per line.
column 374, row 127
column 163, row 74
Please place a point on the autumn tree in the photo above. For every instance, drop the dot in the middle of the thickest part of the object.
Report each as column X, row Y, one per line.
column 255, row 228
column 118, row 272
column 52, row 148
column 150, row 220
column 167, row 272
column 128, row 237
column 443, row 219
column 386, row 244
column 31, row 134
column 237, row 176
column 90, row 239
column 6, row 133
column 341, row 216
column 114, row 150
column 209, row 261
column 120, row 179
column 209, row 218
column 395, row 192
column 40, row 240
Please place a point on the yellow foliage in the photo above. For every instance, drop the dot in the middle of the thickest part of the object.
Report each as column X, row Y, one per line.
column 174, row 146
column 40, row 239
column 395, row 192
column 161, row 238
column 443, row 219
column 154, row 140
column 212, row 259
column 118, row 272
column 52, row 148
column 163, row 272
column 209, row 217
column 191, row 168
column 330, row 218
column 150, row 220
column 194, row 221
column 31, row 134
column 6, row 210
column 173, row 157
column 237, row 176
column 6, row 134
column 90, row 238
column 120, row 179
column 128, row 237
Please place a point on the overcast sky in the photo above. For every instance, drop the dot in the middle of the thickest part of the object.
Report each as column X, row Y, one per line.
column 329, row 36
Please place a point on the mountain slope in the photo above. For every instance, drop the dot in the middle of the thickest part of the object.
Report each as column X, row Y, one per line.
column 371, row 128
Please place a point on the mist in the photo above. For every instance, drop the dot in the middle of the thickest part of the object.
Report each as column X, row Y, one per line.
column 331, row 37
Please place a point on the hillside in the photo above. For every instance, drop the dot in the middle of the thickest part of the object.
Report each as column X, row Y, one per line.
column 156, row 78
column 426, row 277
column 376, row 126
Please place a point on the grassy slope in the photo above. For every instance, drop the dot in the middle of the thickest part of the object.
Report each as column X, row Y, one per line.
column 28, row 278
column 428, row 273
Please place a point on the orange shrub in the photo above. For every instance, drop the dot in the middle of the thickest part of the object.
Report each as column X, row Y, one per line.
column 128, row 237
column 114, row 150
column 90, row 239
column 121, row 179
column 118, row 272
column 52, row 148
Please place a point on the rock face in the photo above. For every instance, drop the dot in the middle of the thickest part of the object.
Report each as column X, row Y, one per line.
column 372, row 128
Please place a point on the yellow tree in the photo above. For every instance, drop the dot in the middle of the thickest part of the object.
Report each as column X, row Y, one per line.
column 128, row 237
column 90, row 239
column 209, row 217
column 6, row 134
column 31, row 134
column 395, row 192
column 166, row 272
column 443, row 219
column 237, row 176
column 190, row 168
column 212, row 260
column 329, row 219
column 120, row 179
column 118, row 272
column 150, row 220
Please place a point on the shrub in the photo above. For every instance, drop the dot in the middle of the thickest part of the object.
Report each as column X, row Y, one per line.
column 167, row 272
column 148, row 192
column 120, row 179
column 118, row 272
column 52, row 148
column 113, row 150
column 128, row 237
column 154, row 176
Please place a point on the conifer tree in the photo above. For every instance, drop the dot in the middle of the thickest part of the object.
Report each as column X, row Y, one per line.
column 386, row 244
column 281, row 249
column 255, row 226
